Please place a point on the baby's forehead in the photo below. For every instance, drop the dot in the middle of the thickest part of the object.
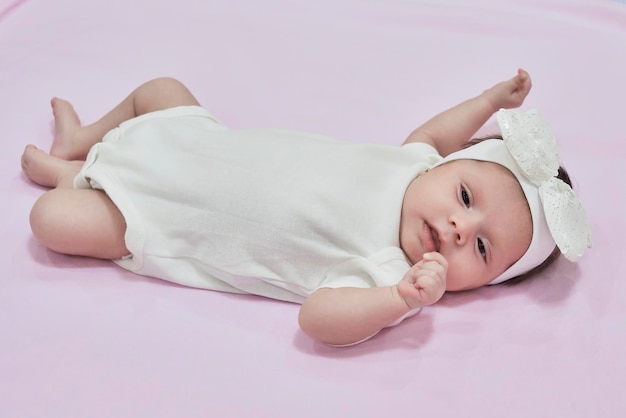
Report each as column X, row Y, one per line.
column 481, row 166
column 493, row 176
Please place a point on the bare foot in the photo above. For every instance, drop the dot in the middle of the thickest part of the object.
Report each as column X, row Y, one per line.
column 48, row 170
column 66, row 124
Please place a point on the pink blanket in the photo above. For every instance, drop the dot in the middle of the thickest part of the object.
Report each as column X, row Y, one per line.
column 83, row 338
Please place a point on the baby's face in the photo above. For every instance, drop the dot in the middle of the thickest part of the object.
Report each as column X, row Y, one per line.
column 474, row 213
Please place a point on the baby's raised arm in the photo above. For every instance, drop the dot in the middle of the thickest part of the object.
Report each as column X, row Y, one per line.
column 348, row 315
column 449, row 130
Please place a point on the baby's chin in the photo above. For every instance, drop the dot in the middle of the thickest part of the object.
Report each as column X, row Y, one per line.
column 414, row 256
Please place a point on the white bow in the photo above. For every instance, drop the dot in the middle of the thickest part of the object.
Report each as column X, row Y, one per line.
column 533, row 146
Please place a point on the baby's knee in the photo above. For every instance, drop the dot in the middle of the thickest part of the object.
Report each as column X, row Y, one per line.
column 79, row 222
column 166, row 82
column 162, row 93
column 165, row 87
column 45, row 217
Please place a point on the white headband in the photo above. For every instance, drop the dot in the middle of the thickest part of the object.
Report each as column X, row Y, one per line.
column 529, row 151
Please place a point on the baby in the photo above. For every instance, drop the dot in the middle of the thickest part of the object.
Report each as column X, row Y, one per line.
column 362, row 235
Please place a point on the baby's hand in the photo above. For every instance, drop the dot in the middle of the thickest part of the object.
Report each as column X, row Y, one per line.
column 510, row 93
column 425, row 283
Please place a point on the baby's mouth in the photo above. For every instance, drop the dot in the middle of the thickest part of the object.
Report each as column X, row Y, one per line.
column 430, row 239
column 435, row 237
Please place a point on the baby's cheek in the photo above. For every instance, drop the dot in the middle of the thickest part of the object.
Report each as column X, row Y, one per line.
column 464, row 278
column 455, row 279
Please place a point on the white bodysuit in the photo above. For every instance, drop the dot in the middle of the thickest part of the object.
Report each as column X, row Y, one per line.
column 268, row 212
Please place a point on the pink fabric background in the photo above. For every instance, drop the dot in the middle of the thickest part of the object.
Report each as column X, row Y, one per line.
column 83, row 338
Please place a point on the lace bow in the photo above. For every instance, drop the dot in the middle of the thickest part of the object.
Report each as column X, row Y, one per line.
column 533, row 146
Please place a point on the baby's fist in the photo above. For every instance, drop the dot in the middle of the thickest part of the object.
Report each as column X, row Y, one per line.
column 425, row 282
column 511, row 93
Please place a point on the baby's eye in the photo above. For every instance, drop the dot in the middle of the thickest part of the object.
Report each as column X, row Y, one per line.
column 465, row 197
column 481, row 248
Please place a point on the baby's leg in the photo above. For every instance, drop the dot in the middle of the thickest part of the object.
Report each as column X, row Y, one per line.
column 73, row 141
column 77, row 222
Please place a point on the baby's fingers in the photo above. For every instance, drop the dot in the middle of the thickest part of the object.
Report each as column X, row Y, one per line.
column 437, row 258
column 431, row 287
column 523, row 83
column 431, row 278
column 433, row 275
column 523, row 75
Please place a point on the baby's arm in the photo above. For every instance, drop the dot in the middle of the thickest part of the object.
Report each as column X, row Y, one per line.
column 349, row 315
column 449, row 130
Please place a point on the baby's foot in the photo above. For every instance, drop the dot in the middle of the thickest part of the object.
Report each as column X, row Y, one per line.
column 48, row 170
column 66, row 124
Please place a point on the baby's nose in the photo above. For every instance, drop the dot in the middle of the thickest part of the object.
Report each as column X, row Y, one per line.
column 464, row 228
